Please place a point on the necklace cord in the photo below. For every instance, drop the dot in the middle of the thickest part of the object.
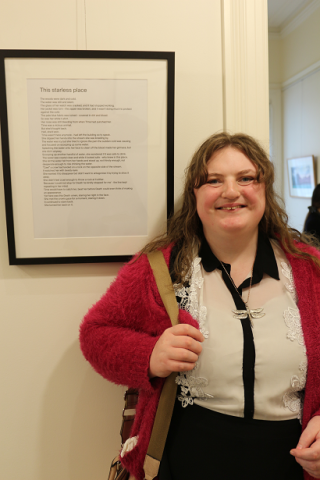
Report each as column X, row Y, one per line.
column 241, row 314
column 231, row 279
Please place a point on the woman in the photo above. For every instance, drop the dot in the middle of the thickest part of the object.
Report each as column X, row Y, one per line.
column 312, row 222
column 242, row 350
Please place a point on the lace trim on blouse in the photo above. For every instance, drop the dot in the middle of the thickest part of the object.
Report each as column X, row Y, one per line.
column 293, row 398
column 192, row 386
column 287, row 272
column 189, row 297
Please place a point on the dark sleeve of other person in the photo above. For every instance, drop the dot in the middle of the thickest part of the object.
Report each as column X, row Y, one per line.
column 313, row 224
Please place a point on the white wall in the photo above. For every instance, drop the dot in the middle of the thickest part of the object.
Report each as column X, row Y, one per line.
column 59, row 419
column 294, row 61
column 301, row 114
column 301, row 105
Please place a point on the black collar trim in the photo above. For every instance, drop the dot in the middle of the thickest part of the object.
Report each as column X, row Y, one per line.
column 265, row 261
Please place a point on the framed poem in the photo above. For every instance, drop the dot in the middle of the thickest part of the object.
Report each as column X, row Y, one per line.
column 87, row 152
column 301, row 175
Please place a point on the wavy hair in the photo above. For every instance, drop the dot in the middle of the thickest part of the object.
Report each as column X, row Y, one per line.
column 185, row 227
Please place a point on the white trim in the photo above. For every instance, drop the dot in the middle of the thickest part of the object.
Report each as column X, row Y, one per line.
column 275, row 86
column 129, row 445
column 301, row 75
column 300, row 18
column 245, row 67
column 274, row 35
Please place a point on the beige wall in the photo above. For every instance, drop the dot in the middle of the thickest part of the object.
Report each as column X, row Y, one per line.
column 59, row 419
column 275, row 60
column 275, row 79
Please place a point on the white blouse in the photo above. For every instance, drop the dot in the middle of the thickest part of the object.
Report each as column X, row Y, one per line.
column 280, row 365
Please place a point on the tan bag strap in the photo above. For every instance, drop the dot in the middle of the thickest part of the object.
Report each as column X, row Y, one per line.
column 169, row 390
column 164, row 284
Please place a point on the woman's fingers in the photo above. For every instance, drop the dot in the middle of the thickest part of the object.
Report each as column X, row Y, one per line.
column 176, row 350
column 188, row 330
column 183, row 355
column 187, row 344
column 175, row 366
column 307, row 452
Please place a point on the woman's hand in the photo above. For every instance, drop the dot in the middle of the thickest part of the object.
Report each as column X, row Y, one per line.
column 177, row 350
column 307, row 452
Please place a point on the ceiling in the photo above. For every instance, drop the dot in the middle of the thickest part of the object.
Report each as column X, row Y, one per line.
column 281, row 12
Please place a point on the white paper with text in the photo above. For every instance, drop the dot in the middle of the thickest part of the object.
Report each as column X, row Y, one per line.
column 89, row 157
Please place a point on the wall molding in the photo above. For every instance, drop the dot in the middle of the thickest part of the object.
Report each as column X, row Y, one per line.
column 314, row 68
column 274, row 34
column 245, row 67
column 275, row 86
column 300, row 18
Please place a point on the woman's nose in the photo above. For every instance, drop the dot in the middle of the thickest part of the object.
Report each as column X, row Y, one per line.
column 231, row 190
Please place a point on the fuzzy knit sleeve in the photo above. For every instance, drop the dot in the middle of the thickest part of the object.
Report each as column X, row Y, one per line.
column 307, row 282
column 119, row 332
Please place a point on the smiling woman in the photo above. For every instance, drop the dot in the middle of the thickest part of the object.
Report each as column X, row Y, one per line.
column 238, row 271
column 232, row 201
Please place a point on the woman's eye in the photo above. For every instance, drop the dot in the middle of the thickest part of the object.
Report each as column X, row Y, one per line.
column 245, row 180
column 214, row 181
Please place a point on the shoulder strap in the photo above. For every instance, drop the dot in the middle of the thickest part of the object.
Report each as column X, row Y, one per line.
column 169, row 390
column 164, row 284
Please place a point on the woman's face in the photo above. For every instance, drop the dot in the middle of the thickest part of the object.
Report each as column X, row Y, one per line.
column 232, row 201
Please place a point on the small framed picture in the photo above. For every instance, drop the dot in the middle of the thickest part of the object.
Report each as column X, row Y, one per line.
column 302, row 174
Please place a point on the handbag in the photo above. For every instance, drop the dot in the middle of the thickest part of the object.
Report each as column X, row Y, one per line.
column 168, row 394
column 117, row 470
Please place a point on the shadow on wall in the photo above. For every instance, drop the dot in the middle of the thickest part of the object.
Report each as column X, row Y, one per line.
column 80, row 422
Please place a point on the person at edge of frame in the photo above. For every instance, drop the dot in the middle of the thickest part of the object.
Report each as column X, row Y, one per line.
column 312, row 221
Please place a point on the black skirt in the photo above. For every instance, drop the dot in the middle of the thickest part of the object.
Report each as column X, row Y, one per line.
column 206, row 444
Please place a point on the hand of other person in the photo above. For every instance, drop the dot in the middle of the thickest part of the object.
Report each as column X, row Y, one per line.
column 177, row 350
column 307, row 452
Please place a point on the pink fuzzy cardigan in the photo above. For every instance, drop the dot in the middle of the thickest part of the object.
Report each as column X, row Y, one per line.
column 119, row 332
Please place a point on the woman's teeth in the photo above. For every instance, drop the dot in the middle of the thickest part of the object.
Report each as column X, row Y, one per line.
column 231, row 208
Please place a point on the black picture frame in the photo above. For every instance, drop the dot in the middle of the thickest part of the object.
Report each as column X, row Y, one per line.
column 22, row 248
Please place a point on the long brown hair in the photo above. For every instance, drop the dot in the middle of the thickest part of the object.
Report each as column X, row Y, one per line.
column 185, row 227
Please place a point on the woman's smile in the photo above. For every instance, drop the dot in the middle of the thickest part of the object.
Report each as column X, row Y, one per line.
column 231, row 208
